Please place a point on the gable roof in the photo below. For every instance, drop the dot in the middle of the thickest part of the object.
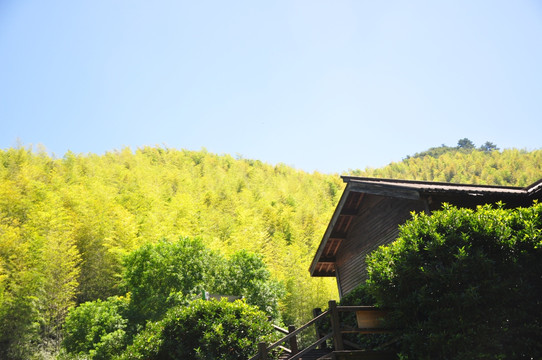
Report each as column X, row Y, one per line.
column 351, row 201
column 535, row 189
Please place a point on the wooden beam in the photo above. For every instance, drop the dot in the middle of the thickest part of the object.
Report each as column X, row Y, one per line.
column 376, row 189
column 349, row 212
column 338, row 235
column 361, row 195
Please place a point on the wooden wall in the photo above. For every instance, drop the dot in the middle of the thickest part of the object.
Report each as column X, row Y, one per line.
column 377, row 224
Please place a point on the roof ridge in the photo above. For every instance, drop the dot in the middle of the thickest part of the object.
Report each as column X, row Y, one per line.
column 347, row 179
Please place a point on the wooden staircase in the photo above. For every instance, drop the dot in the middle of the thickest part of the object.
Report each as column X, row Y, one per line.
column 326, row 354
column 369, row 321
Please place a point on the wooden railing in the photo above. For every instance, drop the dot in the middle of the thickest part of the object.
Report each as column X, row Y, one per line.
column 369, row 325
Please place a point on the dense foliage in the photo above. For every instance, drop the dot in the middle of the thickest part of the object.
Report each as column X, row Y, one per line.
column 245, row 274
column 465, row 284
column 160, row 276
column 97, row 329
column 203, row 330
column 164, row 276
column 66, row 224
column 465, row 164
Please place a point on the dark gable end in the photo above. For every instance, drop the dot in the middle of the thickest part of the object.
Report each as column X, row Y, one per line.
column 370, row 211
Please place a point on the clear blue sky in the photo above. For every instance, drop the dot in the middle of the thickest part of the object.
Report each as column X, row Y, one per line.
column 319, row 85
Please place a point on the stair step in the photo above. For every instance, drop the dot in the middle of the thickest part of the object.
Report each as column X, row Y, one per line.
column 360, row 355
column 311, row 355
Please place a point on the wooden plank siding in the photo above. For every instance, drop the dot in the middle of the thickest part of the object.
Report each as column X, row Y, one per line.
column 375, row 225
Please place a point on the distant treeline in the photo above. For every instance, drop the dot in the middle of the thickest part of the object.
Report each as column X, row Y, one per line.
column 465, row 163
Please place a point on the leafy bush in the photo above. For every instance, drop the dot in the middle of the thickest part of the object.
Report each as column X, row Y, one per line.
column 465, row 284
column 97, row 328
column 361, row 295
column 203, row 330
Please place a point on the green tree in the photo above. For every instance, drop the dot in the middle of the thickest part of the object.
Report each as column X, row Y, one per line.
column 245, row 274
column 465, row 284
column 203, row 330
column 160, row 276
column 19, row 314
column 166, row 274
column 19, row 257
column 48, row 229
column 465, row 144
column 488, row 146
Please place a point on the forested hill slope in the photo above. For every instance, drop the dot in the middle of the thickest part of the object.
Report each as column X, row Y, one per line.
column 469, row 165
column 65, row 224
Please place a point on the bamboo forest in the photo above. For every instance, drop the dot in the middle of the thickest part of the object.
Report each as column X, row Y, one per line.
column 74, row 229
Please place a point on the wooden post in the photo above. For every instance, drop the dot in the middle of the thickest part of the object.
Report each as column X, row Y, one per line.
column 336, row 326
column 319, row 335
column 262, row 351
column 293, row 340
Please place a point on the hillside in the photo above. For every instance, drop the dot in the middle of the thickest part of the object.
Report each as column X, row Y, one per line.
column 465, row 164
column 65, row 224
column 101, row 207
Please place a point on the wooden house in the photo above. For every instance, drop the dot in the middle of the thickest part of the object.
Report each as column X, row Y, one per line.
column 370, row 211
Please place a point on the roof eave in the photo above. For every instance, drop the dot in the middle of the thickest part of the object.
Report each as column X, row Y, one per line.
column 329, row 230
